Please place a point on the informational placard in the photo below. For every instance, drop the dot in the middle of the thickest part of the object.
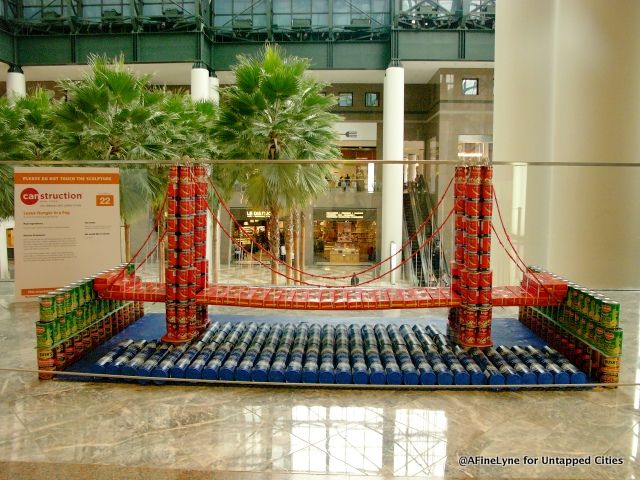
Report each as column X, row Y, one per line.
column 67, row 226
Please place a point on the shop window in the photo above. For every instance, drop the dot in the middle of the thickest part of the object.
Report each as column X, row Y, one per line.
column 372, row 99
column 470, row 86
column 345, row 99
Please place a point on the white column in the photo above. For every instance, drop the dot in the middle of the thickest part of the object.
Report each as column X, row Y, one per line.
column 214, row 88
column 16, row 84
column 392, row 149
column 581, row 105
column 523, row 46
column 199, row 83
column 213, row 254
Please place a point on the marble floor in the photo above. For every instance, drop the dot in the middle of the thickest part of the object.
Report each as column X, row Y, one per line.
column 60, row 429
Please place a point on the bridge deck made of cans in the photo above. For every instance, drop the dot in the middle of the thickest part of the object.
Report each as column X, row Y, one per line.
column 544, row 291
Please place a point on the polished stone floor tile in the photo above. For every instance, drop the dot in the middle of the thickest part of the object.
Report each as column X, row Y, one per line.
column 111, row 430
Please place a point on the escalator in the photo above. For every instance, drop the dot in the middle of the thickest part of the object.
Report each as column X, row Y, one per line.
column 430, row 265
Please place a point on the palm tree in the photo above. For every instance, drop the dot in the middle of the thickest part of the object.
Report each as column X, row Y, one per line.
column 24, row 129
column 112, row 114
column 275, row 112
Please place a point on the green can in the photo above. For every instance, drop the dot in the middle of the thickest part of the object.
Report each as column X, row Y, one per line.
column 609, row 313
column 81, row 318
column 78, row 287
column 47, row 308
column 57, row 331
column 67, row 300
column 572, row 295
column 60, row 302
column 72, row 324
column 612, row 342
column 89, row 293
column 44, row 334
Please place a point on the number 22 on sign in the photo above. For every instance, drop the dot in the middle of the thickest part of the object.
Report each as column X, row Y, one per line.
column 104, row 200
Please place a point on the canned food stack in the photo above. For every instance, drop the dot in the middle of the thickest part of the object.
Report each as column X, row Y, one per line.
column 338, row 354
column 73, row 320
column 470, row 325
column 186, row 267
column 584, row 329
column 200, row 237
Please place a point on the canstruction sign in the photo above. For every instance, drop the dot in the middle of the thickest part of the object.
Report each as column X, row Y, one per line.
column 67, row 226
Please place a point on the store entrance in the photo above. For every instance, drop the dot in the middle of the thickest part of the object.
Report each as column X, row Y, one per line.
column 253, row 222
column 344, row 237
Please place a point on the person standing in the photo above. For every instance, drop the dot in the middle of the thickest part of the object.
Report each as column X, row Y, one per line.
column 354, row 280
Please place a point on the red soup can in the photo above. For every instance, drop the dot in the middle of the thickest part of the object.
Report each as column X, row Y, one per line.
column 472, row 226
column 172, row 224
column 201, row 188
column 191, row 289
column 459, row 189
column 185, row 241
column 172, row 258
column 487, row 174
column 181, row 314
column 187, row 206
column 459, row 237
column 182, row 276
column 487, row 191
column 201, row 204
column 485, row 227
column 484, row 244
column 200, row 172
column 484, row 318
column 471, row 295
column 172, row 206
column 185, row 224
column 472, row 191
column 201, row 281
column 475, row 174
column 200, row 235
column 484, row 296
column 186, row 190
column 172, row 190
column 486, row 208
column 172, row 293
column 470, row 316
column 484, row 261
column 201, row 249
column 171, row 275
column 185, row 258
column 472, row 279
column 459, row 254
column 459, row 221
column 471, row 260
column 200, row 220
column 183, row 293
column 171, row 312
column 173, row 174
column 485, row 279
column 472, row 208
column 172, row 241
column 186, row 174
column 471, row 243
column 469, row 337
column 483, row 337
column 458, row 205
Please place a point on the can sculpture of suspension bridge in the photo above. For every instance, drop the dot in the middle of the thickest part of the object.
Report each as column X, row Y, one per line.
column 585, row 332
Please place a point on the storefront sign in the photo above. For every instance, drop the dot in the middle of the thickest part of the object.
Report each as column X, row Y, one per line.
column 67, row 226
column 258, row 214
column 345, row 215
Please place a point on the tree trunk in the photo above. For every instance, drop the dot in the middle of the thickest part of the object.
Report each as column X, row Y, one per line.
column 274, row 243
column 296, row 245
column 127, row 241
column 289, row 241
column 303, row 242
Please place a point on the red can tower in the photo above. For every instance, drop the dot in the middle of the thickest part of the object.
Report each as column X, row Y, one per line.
column 186, row 271
column 470, row 324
